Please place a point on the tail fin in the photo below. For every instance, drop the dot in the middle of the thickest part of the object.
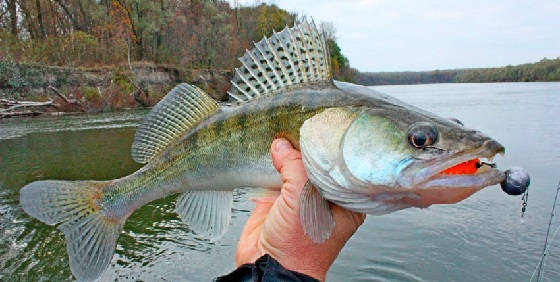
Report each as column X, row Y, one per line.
column 90, row 236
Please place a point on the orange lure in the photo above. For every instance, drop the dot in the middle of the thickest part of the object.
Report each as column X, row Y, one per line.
column 468, row 167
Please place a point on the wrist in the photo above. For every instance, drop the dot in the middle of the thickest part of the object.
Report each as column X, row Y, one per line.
column 311, row 272
column 266, row 268
column 295, row 252
column 314, row 269
column 304, row 263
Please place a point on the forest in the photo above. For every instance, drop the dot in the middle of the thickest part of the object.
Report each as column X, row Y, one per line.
column 97, row 55
column 189, row 33
column 544, row 70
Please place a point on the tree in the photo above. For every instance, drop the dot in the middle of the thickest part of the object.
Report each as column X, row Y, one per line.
column 12, row 9
column 188, row 33
column 272, row 18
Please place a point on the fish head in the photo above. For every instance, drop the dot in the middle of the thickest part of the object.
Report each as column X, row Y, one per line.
column 394, row 154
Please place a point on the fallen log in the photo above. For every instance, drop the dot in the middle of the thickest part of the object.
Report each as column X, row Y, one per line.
column 66, row 99
column 21, row 113
column 12, row 105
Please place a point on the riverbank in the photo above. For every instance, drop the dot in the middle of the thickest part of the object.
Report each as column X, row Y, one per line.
column 30, row 89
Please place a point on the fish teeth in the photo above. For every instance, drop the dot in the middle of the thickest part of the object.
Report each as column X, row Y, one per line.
column 487, row 159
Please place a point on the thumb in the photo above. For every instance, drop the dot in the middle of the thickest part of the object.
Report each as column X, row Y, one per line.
column 287, row 161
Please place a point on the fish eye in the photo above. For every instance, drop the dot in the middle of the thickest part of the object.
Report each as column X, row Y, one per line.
column 422, row 134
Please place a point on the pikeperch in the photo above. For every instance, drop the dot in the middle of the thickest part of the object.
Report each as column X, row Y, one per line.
column 362, row 150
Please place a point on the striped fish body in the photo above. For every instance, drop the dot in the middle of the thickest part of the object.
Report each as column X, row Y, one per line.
column 228, row 150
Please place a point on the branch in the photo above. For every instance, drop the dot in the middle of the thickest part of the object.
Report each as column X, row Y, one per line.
column 63, row 97
column 122, row 3
column 128, row 55
column 137, row 94
column 73, row 21
column 132, row 80
column 3, row 13
column 105, row 99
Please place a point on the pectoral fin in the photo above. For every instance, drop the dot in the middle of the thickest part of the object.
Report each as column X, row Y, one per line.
column 315, row 214
column 207, row 213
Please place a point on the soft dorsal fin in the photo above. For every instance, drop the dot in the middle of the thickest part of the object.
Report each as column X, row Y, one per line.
column 179, row 111
column 296, row 56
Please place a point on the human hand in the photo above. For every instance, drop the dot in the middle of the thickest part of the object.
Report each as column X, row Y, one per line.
column 274, row 227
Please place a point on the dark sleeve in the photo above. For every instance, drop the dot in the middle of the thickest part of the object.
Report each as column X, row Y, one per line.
column 265, row 269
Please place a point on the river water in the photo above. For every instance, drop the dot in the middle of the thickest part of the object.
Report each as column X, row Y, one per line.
column 480, row 239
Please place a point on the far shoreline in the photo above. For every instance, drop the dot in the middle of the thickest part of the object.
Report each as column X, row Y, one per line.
column 47, row 114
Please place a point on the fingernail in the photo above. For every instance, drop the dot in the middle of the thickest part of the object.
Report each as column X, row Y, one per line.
column 282, row 145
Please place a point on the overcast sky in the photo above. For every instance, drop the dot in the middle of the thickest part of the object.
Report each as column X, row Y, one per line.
column 397, row 35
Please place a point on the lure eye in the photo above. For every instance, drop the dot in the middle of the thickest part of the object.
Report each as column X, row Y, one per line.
column 422, row 134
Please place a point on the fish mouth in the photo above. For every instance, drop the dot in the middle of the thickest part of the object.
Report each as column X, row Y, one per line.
column 472, row 169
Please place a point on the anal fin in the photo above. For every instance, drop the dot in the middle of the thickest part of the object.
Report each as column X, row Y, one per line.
column 207, row 213
column 315, row 214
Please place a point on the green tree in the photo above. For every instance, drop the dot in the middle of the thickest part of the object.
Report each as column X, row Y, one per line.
column 272, row 18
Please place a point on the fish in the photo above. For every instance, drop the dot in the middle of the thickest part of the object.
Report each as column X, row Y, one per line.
column 362, row 150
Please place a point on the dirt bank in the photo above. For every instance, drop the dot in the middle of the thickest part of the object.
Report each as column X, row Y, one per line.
column 99, row 89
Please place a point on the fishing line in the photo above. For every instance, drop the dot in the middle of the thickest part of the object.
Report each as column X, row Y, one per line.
column 540, row 266
column 548, row 248
column 551, row 240
column 525, row 200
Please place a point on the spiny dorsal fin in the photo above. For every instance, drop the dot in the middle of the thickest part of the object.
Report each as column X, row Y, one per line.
column 179, row 111
column 296, row 56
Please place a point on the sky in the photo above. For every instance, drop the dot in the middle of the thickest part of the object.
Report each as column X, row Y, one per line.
column 398, row 35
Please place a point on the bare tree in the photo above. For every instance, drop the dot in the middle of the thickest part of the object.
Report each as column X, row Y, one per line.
column 40, row 18
column 328, row 29
column 12, row 8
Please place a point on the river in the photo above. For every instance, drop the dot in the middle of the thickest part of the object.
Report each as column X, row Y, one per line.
column 480, row 239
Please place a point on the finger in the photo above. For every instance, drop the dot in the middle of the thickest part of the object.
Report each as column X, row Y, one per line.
column 282, row 153
column 287, row 161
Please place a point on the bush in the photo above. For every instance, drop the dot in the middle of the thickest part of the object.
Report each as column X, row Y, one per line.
column 11, row 78
column 123, row 83
column 89, row 93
